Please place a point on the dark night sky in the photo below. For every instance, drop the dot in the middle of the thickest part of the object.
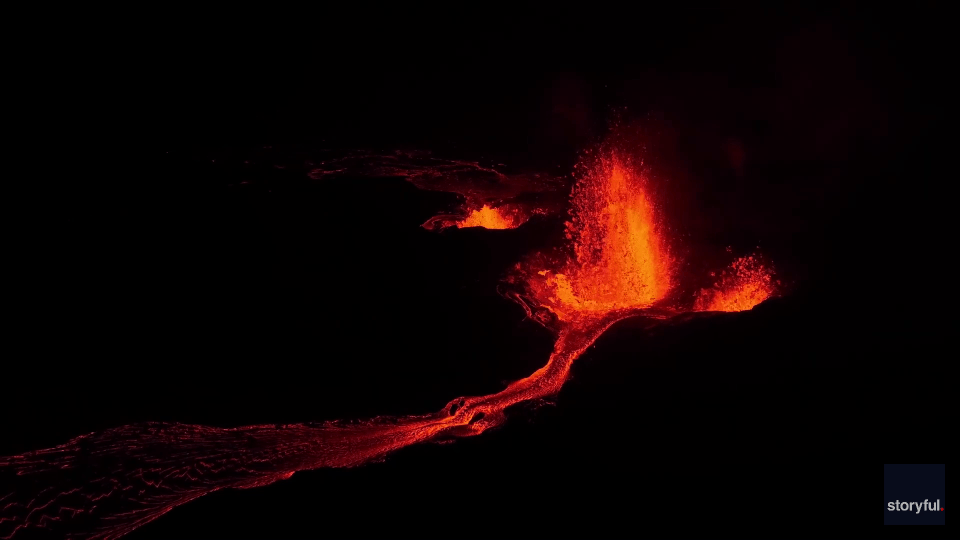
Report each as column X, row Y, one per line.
column 148, row 290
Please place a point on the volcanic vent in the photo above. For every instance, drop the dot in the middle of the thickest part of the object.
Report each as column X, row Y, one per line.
column 617, row 263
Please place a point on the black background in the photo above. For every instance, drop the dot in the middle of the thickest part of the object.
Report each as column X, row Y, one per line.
column 151, row 285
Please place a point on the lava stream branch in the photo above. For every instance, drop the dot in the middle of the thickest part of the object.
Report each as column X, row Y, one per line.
column 572, row 340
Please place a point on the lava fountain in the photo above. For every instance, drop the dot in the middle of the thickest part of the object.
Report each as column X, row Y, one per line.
column 620, row 260
column 488, row 218
column 743, row 285
column 106, row 484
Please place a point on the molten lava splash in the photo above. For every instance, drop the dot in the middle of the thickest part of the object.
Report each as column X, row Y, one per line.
column 488, row 218
column 620, row 259
column 746, row 283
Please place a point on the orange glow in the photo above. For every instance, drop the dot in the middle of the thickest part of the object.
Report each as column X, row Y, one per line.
column 620, row 259
column 488, row 218
column 746, row 283
column 617, row 265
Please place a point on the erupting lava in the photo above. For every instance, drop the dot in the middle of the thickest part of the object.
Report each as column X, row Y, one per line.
column 489, row 218
column 477, row 184
column 106, row 484
column 620, row 259
column 504, row 216
column 746, row 283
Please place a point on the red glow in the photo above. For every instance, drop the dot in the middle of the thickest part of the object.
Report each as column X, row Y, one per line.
column 177, row 463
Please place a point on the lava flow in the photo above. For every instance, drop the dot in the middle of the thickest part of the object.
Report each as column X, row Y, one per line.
column 106, row 484
column 491, row 199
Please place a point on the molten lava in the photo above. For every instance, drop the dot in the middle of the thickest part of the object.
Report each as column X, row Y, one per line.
column 488, row 218
column 618, row 265
column 746, row 283
column 620, row 258
column 477, row 184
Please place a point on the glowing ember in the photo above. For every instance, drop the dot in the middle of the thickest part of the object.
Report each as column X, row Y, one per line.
column 745, row 284
column 488, row 218
column 620, row 260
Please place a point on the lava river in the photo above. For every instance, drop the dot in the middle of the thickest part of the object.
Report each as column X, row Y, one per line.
column 105, row 484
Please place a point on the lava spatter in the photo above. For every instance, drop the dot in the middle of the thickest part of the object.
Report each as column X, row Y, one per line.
column 492, row 198
column 488, row 218
column 620, row 258
column 743, row 285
